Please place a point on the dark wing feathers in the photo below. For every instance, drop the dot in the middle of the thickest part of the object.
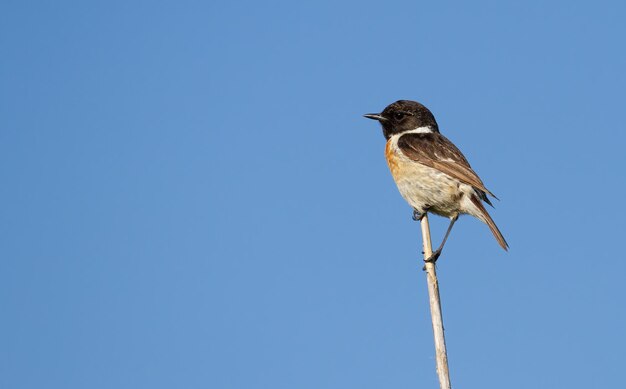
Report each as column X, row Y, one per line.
column 436, row 151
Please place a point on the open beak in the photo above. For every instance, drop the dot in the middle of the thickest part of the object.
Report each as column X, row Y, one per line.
column 375, row 116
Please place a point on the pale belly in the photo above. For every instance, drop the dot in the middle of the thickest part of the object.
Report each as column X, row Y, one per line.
column 425, row 188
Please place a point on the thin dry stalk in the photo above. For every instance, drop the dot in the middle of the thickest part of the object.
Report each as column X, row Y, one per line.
column 435, row 309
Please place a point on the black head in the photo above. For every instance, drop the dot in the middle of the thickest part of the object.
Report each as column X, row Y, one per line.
column 402, row 116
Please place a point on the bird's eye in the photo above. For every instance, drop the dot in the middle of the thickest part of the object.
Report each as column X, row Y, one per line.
column 398, row 115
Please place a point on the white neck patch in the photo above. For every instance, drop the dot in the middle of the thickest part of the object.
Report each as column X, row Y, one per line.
column 419, row 130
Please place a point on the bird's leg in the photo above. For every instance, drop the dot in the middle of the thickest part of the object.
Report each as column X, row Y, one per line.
column 437, row 253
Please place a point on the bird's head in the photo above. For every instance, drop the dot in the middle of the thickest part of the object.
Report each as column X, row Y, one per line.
column 405, row 116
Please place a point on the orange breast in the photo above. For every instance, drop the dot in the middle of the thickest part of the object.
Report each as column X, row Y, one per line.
column 393, row 161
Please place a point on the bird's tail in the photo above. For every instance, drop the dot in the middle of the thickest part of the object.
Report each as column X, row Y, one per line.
column 485, row 217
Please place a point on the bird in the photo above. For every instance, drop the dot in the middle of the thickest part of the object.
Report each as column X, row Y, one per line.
column 430, row 172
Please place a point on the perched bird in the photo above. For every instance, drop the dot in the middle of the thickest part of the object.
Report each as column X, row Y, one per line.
column 430, row 171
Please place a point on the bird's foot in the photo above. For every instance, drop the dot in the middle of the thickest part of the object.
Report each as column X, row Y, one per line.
column 434, row 256
column 417, row 216
column 432, row 259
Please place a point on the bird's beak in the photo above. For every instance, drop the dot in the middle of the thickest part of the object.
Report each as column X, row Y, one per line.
column 375, row 116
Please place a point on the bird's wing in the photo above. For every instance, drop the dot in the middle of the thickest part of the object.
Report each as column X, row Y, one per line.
column 436, row 151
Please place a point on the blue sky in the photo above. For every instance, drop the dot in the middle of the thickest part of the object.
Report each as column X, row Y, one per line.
column 192, row 199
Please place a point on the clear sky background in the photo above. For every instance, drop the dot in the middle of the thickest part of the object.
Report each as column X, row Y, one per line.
column 192, row 199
